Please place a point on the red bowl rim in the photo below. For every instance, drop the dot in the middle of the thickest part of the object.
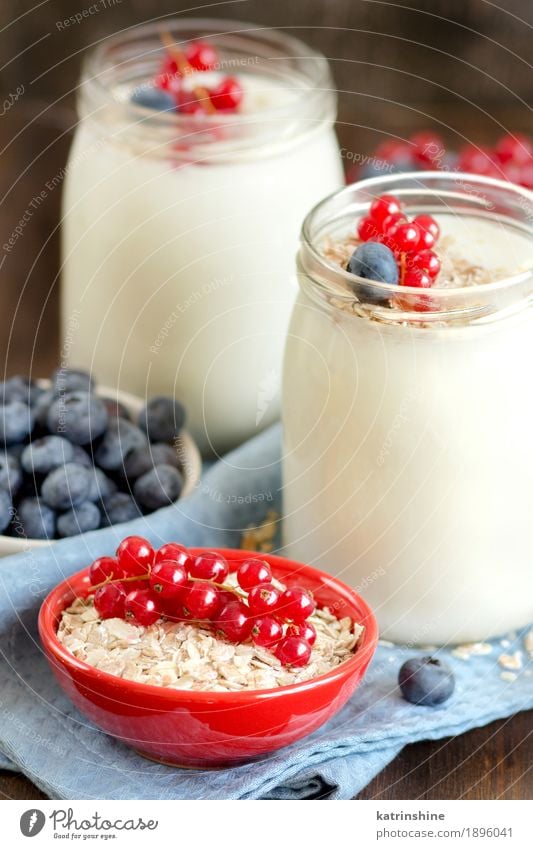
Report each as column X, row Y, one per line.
column 367, row 646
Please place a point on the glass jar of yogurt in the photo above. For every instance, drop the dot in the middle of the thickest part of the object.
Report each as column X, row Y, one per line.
column 408, row 448
column 179, row 230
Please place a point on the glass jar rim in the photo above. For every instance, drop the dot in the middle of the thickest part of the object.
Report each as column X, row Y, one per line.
column 314, row 71
column 335, row 281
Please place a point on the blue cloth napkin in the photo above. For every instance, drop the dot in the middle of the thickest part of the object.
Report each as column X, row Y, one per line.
column 45, row 737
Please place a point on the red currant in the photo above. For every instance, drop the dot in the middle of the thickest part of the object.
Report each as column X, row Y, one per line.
column 169, row 551
column 103, row 569
column 296, row 604
column 427, row 261
column 517, row 148
column 227, row 95
column 201, row 55
column 384, row 206
column 140, row 608
column 171, row 610
column 135, row 556
column 168, row 579
column 202, row 600
column 253, row 572
column 391, row 222
column 526, row 176
column 188, row 103
column 293, row 651
column 429, row 231
column 226, row 596
column 367, row 229
column 426, row 240
column 305, row 630
column 167, row 74
column 478, row 159
column 161, row 81
column 175, row 552
column 210, row 566
column 109, row 601
column 417, row 277
column 427, row 222
column 266, row 631
column 512, row 171
column 428, row 146
column 233, row 622
column 406, row 237
column 169, row 66
column 263, row 599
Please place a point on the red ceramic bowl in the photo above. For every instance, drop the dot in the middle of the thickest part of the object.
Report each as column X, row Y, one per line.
column 201, row 729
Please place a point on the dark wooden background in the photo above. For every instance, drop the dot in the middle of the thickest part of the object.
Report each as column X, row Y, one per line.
column 459, row 66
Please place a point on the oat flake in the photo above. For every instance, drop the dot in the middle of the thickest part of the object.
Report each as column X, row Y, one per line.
column 468, row 650
column 511, row 661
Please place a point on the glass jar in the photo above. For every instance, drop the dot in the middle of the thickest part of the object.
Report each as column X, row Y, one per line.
column 408, row 449
column 179, row 231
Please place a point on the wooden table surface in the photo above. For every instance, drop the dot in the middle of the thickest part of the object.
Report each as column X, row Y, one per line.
column 494, row 762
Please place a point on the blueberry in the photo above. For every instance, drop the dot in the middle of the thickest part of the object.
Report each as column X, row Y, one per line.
column 6, row 509
column 81, row 457
column 426, row 681
column 71, row 380
column 15, row 451
column 35, row 520
column 373, row 261
column 157, row 488
column 372, row 170
column 45, row 454
column 84, row 517
column 153, row 98
column 162, row 418
column 101, row 486
column 41, row 407
column 120, row 439
column 119, row 507
column 403, row 166
column 66, row 487
column 143, row 459
column 10, row 474
column 78, row 416
column 20, row 389
column 16, row 422
column 115, row 409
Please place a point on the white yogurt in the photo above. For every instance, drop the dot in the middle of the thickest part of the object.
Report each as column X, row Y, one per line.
column 179, row 278
column 408, row 458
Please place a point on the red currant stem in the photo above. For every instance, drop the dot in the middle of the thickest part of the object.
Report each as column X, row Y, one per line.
column 120, row 581
column 199, row 91
column 402, row 269
column 146, row 577
column 226, row 587
column 204, row 623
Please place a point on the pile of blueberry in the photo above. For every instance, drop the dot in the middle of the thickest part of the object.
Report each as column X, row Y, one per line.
column 72, row 462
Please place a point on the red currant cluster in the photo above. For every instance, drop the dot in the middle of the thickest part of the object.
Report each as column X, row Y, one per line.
column 410, row 241
column 141, row 585
column 511, row 158
column 178, row 65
